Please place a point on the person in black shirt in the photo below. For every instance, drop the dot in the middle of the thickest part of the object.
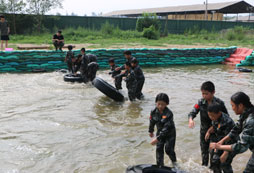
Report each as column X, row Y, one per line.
column 58, row 40
column 5, row 31
column 165, row 137
column 139, row 77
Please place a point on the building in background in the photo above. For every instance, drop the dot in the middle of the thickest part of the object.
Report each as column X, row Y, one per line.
column 215, row 11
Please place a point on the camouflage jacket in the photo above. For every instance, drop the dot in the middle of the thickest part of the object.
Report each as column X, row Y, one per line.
column 222, row 127
column 113, row 72
column 245, row 128
column 164, row 123
column 201, row 107
column 139, row 73
column 131, row 81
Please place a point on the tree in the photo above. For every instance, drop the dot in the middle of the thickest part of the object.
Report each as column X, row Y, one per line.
column 3, row 6
column 147, row 20
column 41, row 7
column 15, row 7
column 94, row 14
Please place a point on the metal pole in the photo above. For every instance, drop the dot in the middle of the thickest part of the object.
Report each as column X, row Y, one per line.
column 206, row 13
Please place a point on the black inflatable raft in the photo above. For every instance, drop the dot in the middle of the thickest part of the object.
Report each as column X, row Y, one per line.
column 73, row 78
column 108, row 89
column 245, row 70
column 146, row 168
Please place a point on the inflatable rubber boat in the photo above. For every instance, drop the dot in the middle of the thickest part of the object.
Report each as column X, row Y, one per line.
column 73, row 78
column 245, row 70
column 146, row 168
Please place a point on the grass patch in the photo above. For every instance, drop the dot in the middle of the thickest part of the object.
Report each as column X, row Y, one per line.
column 110, row 36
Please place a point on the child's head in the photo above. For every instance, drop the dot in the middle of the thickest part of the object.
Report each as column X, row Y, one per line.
column 214, row 111
column 70, row 47
column 127, row 54
column 79, row 57
column 161, row 101
column 59, row 32
column 208, row 90
column 2, row 18
column 111, row 61
column 127, row 65
column 134, row 62
column 83, row 51
column 240, row 101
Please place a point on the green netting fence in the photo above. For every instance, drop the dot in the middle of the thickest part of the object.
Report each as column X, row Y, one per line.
column 28, row 61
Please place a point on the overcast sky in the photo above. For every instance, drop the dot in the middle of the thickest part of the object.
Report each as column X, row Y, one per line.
column 82, row 7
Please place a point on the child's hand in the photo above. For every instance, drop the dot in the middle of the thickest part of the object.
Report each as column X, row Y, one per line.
column 224, row 157
column 191, row 123
column 207, row 136
column 154, row 141
column 151, row 135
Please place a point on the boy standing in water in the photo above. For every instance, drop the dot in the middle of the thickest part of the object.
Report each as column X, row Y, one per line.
column 113, row 72
column 118, row 78
column 139, row 77
column 208, row 91
column 70, row 59
column 131, row 82
column 221, row 126
column 163, row 118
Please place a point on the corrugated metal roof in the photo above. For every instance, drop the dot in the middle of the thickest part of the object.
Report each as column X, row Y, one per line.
column 174, row 9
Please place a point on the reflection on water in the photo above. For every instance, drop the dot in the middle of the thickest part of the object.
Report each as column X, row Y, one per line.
column 48, row 125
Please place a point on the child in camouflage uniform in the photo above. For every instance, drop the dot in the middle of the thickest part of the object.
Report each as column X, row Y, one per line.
column 70, row 59
column 208, row 91
column 131, row 82
column 163, row 118
column 221, row 126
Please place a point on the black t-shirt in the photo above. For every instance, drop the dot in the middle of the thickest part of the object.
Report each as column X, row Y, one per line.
column 60, row 37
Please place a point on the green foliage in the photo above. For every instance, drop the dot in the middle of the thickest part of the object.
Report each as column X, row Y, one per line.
column 151, row 33
column 130, row 38
column 147, row 20
column 107, row 29
column 237, row 33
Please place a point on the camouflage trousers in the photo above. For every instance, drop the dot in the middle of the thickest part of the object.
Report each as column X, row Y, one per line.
column 118, row 82
column 132, row 91
column 217, row 166
column 250, row 165
column 204, row 145
column 169, row 146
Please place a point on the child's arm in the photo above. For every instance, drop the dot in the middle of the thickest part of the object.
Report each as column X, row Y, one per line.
column 224, row 157
column 151, row 126
column 193, row 114
column 208, row 133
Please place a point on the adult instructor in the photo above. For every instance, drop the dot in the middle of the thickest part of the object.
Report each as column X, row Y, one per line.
column 242, row 106
column 58, row 40
column 5, row 31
